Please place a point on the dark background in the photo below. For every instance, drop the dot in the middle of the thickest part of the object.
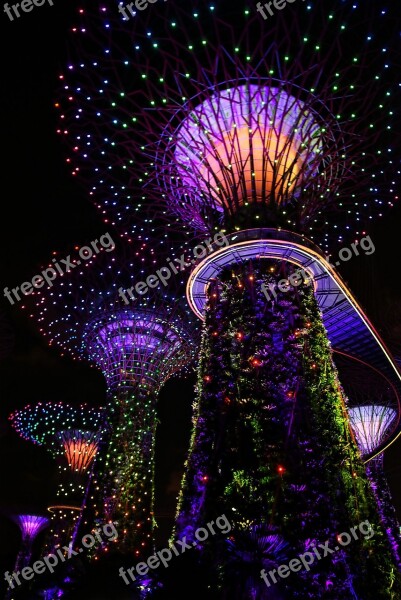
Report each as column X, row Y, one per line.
column 44, row 209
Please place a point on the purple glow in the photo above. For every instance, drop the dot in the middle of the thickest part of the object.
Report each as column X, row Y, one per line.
column 370, row 424
column 135, row 348
column 215, row 144
column 31, row 525
column 138, row 333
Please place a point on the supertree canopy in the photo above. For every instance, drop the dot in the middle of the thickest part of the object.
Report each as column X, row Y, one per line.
column 72, row 434
column 80, row 448
column 370, row 424
column 231, row 122
column 138, row 341
column 291, row 118
column 31, row 525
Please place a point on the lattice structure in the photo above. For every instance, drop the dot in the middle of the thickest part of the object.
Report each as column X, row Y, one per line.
column 71, row 434
column 223, row 108
column 371, row 399
column 251, row 144
column 136, row 347
column 370, row 424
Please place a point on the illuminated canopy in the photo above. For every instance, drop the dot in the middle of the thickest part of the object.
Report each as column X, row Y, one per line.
column 248, row 142
column 138, row 347
column 370, row 424
column 31, row 525
column 80, row 448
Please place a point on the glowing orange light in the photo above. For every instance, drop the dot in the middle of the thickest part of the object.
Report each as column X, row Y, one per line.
column 80, row 448
column 276, row 163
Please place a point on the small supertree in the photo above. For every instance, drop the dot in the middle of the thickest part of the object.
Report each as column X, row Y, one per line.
column 138, row 341
column 72, row 435
column 373, row 411
column 30, row 525
column 370, row 424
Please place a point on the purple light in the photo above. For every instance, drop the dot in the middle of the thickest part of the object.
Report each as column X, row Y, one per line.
column 138, row 347
column 263, row 126
column 31, row 525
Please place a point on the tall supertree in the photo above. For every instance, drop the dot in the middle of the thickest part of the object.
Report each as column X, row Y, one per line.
column 139, row 342
column 233, row 122
column 72, row 435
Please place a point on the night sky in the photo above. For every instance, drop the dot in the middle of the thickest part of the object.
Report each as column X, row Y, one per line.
column 45, row 209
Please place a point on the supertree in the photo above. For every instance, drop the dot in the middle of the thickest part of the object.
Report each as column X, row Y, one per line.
column 231, row 122
column 72, row 435
column 30, row 526
column 372, row 409
column 138, row 342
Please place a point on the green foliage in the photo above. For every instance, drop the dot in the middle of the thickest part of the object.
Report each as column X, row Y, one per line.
column 271, row 445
